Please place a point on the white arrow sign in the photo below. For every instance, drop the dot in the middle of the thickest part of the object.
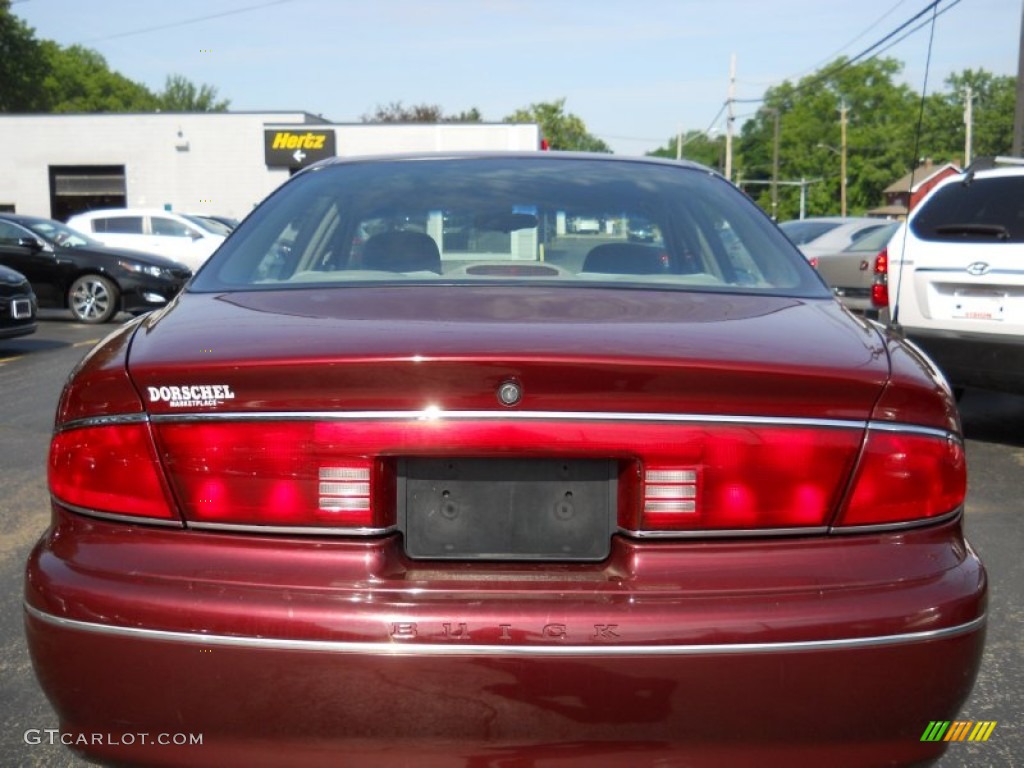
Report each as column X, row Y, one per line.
column 299, row 155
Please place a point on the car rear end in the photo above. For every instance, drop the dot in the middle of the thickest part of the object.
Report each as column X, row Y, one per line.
column 858, row 274
column 452, row 521
column 956, row 274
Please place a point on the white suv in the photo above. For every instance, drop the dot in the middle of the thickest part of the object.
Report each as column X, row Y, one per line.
column 177, row 236
column 956, row 278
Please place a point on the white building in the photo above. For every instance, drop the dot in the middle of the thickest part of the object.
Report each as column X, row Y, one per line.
column 212, row 162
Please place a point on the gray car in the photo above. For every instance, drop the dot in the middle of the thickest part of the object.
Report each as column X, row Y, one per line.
column 828, row 234
column 857, row 273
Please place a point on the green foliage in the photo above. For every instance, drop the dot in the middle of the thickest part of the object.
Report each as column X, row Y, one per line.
column 696, row 146
column 564, row 131
column 182, row 95
column 879, row 136
column 79, row 80
column 882, row 118
column 944, row 131
column 22, row 67
column 396, row 112
column 42, row 76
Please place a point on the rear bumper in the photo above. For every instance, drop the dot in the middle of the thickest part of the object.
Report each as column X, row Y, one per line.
column 989, row 361
column 834, row 651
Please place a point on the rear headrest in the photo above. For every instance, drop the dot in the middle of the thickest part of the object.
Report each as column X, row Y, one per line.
column 402, row 252
column 624, row 259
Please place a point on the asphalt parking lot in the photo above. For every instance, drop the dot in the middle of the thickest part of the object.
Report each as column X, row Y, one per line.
column 33, row 368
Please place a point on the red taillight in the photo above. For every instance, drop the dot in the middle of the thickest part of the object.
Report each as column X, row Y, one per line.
column 111, row 469
column 904, row 477
column 742, row 479
column 813, row 261
column 880, row 285
column 291, row 474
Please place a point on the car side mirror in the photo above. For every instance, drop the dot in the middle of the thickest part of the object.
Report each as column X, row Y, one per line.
column 32, row 244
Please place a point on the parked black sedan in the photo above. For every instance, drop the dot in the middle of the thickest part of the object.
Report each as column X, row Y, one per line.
column 17, row 304
column 69, row 269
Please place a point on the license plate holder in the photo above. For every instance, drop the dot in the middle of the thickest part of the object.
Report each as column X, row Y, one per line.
column 507, row 509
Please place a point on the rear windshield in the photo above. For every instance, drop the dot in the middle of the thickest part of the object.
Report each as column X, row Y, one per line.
column 512, row 219
column 803, row 232
column 978, row 210
column 875, row 239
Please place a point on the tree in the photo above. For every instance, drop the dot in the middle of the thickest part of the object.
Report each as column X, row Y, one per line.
column 396, row 112
column 22, row 66
column 881, row 117
column 562, row 130
column 943, row 133
column 79, row 80
column 697, row 146
column 182, row 95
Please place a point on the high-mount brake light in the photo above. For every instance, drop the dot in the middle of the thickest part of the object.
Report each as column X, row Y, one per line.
column 288, row 474
column 110, row 469
column 905, row 477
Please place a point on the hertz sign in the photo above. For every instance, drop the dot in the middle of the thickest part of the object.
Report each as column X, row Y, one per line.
column 296, row 148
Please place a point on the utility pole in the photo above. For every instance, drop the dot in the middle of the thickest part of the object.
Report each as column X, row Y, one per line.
column 775, row 169
column 679, row 143
column 843, row 110
column 730, row 117
column 969, row 122
column 1018, row 115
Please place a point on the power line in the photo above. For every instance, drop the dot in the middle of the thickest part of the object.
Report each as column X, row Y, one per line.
column 184, row 22
column 933, row 6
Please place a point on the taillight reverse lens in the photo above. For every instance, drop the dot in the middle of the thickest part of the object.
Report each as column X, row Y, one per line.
column 293, row 474
column 110, row 469
column 746, row 479
column 906, row 477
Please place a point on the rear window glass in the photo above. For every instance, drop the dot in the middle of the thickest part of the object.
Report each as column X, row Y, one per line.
column 874, row 239
column 559, row 221
column 979, row 210
column 803, row 232
column 170, row 227
column 127, row 225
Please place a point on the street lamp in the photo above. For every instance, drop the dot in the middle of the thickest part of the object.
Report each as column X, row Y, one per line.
column 774, row 112
column 842, row 174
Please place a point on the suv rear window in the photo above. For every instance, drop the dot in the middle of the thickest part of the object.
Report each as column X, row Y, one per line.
column 977, row 210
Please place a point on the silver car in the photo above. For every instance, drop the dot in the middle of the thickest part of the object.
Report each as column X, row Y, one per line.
column 857, row 274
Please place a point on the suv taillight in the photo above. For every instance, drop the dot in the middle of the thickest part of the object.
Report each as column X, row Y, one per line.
column 880, row 282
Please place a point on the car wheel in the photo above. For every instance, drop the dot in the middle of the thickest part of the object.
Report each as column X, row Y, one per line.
column 93, row 299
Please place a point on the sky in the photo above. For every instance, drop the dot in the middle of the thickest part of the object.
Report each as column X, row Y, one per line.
column 635, row 71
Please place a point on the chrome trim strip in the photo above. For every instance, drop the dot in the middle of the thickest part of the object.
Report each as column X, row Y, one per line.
column 504, row 415
column 896, row 527
column 450, row 649
column 86, row 512
column 104, row 421
column 887, row 426
column 730, row 533
column 282, row 529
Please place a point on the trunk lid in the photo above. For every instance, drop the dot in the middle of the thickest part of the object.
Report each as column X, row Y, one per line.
column 451, row 348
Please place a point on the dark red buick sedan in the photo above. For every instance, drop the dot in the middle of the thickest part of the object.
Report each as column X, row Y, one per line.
column 415, row 473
